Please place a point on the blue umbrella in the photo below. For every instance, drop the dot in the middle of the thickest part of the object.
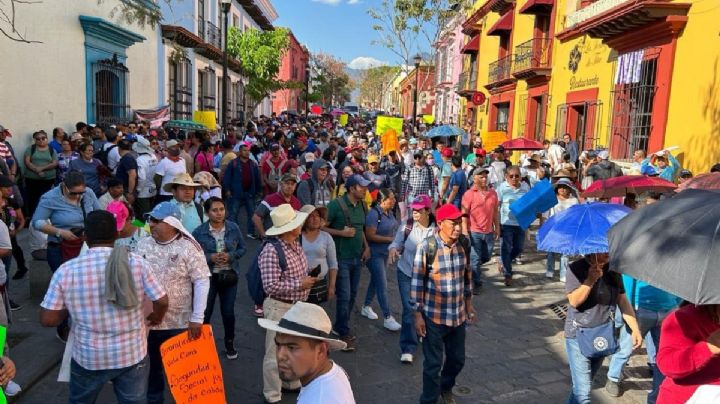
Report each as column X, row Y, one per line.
column 581, row 229
column 444, row 131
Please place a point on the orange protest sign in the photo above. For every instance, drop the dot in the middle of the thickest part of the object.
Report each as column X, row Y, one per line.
column 193, row 369
column 491, row 140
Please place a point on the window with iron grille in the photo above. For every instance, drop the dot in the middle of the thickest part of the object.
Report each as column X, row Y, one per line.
column 239, row 101
column 206, row 89
column 180, row 90
column 110, row 91
column 521, row 112
column 632, row 110
column 503, row 115
column 581, row 120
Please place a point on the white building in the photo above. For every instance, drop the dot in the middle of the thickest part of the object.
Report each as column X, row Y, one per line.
column 87, row 67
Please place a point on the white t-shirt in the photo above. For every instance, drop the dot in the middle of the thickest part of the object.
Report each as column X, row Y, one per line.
column 113, row 156
column 5, row 244
column 146, row 171
column 169, row 169
column 331, row 388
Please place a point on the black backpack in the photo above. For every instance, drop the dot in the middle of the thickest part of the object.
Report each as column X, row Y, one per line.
column 102, row 154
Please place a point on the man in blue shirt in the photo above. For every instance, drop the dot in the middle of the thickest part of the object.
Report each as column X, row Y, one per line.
column 458, row 182
column 663, row 163
column 513, row 236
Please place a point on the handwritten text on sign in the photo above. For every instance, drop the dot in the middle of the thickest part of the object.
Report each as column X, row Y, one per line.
column 193, row 368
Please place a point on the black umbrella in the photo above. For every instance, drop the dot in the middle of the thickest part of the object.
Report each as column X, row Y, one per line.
column 673, row 244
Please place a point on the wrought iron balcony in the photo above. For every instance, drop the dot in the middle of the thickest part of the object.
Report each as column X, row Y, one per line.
column 499, row 72
column 532, row 58
column 467, row 83
column 212, row 35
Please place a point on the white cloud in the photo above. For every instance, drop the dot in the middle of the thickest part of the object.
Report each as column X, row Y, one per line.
column 354, row 2
column 330, row 2
column 365, row 62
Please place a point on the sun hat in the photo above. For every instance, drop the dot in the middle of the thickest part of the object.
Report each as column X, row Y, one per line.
column 180, row 179
column 120, row 211
column 285, row 219
column 565, row 173
column 142, row 146
column 480, row 170
column 413, row 141
column 448, row 212
column 356, row 179
column 206, row 179
column 421, row 202
column 171, row 143
column 305, row 320
column 604, row 155
column 309, row 209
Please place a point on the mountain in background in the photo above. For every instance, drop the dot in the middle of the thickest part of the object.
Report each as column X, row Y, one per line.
column 355, row 75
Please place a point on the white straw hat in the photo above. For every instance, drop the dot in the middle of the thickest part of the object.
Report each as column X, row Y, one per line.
column 305, row 320
column 285, row 219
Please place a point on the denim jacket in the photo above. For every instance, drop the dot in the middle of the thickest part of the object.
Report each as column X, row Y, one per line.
column 234, row 243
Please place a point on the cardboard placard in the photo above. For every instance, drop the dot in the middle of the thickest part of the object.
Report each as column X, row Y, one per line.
column 206, row 118
column 388, row 122
column 428, row 119
column 491, row 140
column 193, row 369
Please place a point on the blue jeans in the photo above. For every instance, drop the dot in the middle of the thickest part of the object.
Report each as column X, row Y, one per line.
column 513, row 239
column 156, row 375
column 650, row 323
column 438, row 376
column 54, row 257
column 482, row 247
column 346, row 286
column 378, row 284
column 408, row 336
column 129, row 383
column 582, row 372
column 234, row 210
column 550, row 267
column 227, row 307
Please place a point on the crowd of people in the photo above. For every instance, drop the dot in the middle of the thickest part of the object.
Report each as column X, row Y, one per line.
column 145, row 229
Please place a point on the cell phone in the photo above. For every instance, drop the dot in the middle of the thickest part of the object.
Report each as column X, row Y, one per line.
column 315, row 272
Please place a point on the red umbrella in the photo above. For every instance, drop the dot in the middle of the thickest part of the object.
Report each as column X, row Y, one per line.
column 522, row 144
column 701, row 181
column 627, row 184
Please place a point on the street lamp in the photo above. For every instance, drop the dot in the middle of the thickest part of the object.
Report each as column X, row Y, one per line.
column 417, row 60
column 307, row 89
column 225, row 9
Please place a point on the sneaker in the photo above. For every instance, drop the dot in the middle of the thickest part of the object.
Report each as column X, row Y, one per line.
column 349, row 340
column 368, row 312
column 258, row 310
column 12, row 389
column 406, row 358
column 477, row 289
column 20, row 273
column 517, row 261
column 391, row 324
column 14, row 306
column 446, row 397
column 230, row 351
column 613, row 388
column 549, row 275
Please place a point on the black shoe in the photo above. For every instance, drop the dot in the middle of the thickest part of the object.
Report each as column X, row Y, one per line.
column 349, row 341
column 14, row 306
column 230, row 351
column 477, row 288
column 20, row 273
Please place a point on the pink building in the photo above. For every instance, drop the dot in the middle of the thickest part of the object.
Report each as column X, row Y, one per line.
column 448, row 67
column 294, row 62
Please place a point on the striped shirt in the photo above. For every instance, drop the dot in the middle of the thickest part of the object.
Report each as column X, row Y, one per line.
column 285, row 284
column 106, row 336
column 441, row 293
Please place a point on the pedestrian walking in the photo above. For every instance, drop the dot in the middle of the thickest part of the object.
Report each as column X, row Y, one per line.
column 567, row 196
column 418, row 179
column 241, row 184
column 513, row 236
column 319, row 248
column 146, row 165
column 167, row 169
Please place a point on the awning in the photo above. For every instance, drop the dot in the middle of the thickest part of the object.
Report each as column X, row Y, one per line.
column 503, row 25
column 537, row 6
column 472, row 46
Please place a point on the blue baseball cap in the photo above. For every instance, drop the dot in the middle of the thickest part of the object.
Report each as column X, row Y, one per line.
column 163, row 210
column 356, row 179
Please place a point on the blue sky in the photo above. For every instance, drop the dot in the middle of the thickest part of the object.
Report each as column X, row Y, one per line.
column 338, row 27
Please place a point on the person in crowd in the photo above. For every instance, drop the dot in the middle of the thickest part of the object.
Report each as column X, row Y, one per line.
column 261, row 217
column 318, row 189
column 513, row 236
column 204, row 157
column 7, row 154
column 58, row 135
column 228, row 155
column 603, row 168
column 418, row 227
column 303, row 342
column 474, row 160
column 271, row 169
column 13, row 217
column 167, row 169
column 407, row 151
column 40, row 163
column 593, row 291
column 115, row 192
column 393, row 168
column 223, row 244
column 185, row 142
column 418, row 179
column 179, row 266
column 209, row 187
column 638, row 157
column 445, row 172
column 108, row 322
column 146, row 163
column 130, row 232
column 663, row 164
column 92, row 168
column 284, row 287
column 65, row 156
column 346, row 220
column 481, row 223
column 572, row 148
column 567, row 196
column 498, row 166
column 319, row 250
column 241, row 185
column 375, row 174
column 554, row 153
column 442, row 293
column 380, row 229
column 183, row 190
column 689, row 355
column 684, row 175
column 340, row 189
column 126, row 170
column 457, row 184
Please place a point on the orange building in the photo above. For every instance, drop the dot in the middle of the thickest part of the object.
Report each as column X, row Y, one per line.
column 293, row 68
column 425, row 78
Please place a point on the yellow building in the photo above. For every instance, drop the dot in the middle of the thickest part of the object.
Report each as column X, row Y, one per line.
column 619, row 74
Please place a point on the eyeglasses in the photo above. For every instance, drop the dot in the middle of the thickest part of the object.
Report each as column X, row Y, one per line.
column 513, row 175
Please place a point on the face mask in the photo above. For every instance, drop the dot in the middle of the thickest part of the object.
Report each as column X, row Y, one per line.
column 430, row 161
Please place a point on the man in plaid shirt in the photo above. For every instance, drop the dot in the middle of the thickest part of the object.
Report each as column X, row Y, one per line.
column 110, row 342
column 442, row 291
column 418, row 179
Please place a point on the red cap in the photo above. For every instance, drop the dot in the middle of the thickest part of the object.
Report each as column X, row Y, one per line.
column 447, row 152
column 448, row 212
column 301, row 139
column 480, row 151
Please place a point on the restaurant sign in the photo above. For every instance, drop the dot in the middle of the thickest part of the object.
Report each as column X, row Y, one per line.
column 576, row 83
column 590, row 11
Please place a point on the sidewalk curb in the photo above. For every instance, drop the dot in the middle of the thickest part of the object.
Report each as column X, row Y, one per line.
column 46, row 356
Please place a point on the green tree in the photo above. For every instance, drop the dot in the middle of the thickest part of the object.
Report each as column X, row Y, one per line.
column 375, row 82
column 331, row 83
column 261, row 54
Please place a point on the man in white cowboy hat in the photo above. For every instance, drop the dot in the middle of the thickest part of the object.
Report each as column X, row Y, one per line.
column 179, row 265
column 284, row 287
column 183, row 189
column 303, row 343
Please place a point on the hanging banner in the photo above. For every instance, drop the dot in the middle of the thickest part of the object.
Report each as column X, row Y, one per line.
column 428, row 119
column 156, row 116
column 343, row 119
column 388, row 122
column 491, row 140
column 316, row 109
column 193, row 369
column 206, row 118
